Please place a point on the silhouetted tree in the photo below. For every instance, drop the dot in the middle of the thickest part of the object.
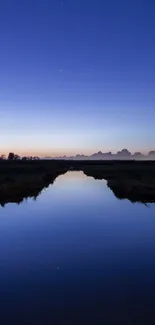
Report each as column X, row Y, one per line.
column 124, row 153
column 11, row 156
column 151, row 153
column 138, row 155
column 2, row 157
column 16, row 157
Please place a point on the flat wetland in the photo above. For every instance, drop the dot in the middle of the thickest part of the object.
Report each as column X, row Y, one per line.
column 133, row 180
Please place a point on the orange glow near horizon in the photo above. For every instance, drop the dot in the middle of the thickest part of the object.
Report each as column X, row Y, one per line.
column 61, row 152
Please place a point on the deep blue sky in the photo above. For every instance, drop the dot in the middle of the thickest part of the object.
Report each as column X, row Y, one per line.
column 77, row 76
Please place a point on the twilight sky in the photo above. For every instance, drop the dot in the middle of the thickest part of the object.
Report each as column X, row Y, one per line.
column 77, row 76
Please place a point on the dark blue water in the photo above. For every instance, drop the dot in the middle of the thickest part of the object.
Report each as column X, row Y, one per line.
column 77, row 255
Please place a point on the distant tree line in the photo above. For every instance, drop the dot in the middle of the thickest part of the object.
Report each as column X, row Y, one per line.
column 13, row 156
column 123, row 154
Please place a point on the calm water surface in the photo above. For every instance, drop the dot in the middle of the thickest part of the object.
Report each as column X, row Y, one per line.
column 77, row 255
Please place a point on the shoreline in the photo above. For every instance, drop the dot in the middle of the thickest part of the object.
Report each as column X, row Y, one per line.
column 132, row 180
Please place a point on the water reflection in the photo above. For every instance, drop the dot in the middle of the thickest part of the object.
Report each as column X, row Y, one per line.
column 77, row 256
column 129, row 189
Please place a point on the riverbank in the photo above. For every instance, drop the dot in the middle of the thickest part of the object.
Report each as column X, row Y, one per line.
column 134, row 180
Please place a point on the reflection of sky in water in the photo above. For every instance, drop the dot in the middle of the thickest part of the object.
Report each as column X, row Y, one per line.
column 76, row 247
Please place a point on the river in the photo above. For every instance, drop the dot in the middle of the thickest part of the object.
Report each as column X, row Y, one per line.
column 76, row 255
